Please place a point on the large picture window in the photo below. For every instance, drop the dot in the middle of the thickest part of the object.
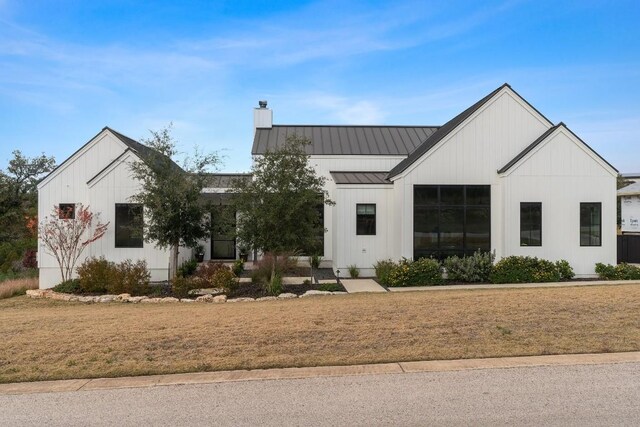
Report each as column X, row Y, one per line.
column 530, row 224
column 451, row 220
column 366, row 219
column 590, row 224
column 129, row 225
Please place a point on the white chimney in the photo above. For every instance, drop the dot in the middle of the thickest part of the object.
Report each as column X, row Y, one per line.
column 262, row 117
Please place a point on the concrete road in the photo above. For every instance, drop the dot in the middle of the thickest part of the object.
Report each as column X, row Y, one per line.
column 552, row 395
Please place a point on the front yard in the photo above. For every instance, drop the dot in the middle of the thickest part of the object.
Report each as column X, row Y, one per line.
column 46, row 340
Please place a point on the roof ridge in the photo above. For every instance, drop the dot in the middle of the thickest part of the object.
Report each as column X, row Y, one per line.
column 351, row 126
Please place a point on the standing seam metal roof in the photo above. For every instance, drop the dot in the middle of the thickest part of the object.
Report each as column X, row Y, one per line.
column 342, row 177
column 346, row 140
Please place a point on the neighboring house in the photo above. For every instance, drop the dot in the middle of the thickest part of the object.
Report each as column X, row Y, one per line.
column 499, row 176
column 630, row 204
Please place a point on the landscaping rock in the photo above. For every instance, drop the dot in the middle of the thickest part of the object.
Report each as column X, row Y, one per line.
column 205, row 298
column 266, row 298
column 136, row 300
column 220, row 299
column 36, row 293
column 106, row 298
column 123, row 297
column 312, row 293
column 151, row 300
column 87, row 300
column 287, row 296
column 187, row 300
column 339, row 293
column 170, row 299
column 206, row 291
column 242, row 299
column 244, row 280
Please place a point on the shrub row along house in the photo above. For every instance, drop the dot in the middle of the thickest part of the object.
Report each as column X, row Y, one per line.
column 499, row 176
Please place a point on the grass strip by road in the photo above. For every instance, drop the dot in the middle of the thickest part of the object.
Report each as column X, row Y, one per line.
column 47, row 340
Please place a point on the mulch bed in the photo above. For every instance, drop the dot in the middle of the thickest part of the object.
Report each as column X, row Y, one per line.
column 256, row 290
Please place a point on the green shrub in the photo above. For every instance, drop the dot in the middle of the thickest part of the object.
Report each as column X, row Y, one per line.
column 622, row 271
column 188, row 268
column 354, row 272
column 423, row 272
column 474, row 268
column 262, row 273
column 524, row 269
column 565, row 270
column 130, row 278
column 383, row 270
column 330, row 287
column 95, row 274
column 314, row 261
column 181, row 286
column 69, row 287
column 274, row 287
column 238, row 267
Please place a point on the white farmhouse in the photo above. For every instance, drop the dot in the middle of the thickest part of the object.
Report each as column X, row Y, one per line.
column 499, row 176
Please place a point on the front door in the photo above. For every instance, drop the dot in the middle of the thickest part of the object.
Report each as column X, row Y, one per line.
column 223, row 243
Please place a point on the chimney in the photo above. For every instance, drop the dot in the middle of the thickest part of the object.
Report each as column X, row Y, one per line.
column 262, row 117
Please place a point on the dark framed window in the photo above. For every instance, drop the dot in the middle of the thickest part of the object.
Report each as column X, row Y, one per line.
column 451, row 220
column 129, row 225
column 530, row 224
column 365, row 219
column 67, row 211
column 591, row 224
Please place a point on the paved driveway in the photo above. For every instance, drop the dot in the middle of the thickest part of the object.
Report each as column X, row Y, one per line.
column 559, row 395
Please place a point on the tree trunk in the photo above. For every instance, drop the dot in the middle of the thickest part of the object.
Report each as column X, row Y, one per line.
column 274, row 261
column 173, row 265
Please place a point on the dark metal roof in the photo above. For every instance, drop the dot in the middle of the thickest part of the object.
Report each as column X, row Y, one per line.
column 225, row 180
column 145, row 153
column 346, row 140
column 630, row 175
column 340, row 177
column 544, row 136
column 530, row 147
column 441, row 133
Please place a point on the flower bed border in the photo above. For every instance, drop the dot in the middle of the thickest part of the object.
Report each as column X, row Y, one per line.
column 127, row 298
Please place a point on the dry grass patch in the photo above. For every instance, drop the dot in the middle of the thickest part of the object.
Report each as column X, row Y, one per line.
column 44, row 339
column 13, row 287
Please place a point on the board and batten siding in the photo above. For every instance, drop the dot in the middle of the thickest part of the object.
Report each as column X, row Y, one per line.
column 561, row 173
column 363, row 251
column 324, row 165
column 471, row 154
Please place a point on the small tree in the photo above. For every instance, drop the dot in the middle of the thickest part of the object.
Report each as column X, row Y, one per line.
column 174, row 212
column 278, row 209
column 66, row 236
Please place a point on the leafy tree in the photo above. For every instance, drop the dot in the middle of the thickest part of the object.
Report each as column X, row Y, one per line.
column 278, row 209
column 174, row 213
column 19, row 205
column 66, row 237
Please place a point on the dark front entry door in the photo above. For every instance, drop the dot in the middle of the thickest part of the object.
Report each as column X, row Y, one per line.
column 223, row 243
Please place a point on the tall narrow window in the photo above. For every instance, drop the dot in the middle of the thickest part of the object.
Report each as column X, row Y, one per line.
column 128, row 225
column 67, row 211
column 530, row 224
column 590, row 224
column 366, row 219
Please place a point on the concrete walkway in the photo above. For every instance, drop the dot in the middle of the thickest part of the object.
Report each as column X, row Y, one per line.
column 516, row 285
column 361, row 285
column 315, row 372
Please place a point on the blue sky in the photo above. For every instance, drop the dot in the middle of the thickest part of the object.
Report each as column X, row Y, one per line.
column 69, row 68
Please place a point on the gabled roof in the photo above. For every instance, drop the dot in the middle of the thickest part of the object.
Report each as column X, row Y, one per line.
column 345, row 140
column 541, row 139
column 530, row 147
column 225, row 180
column 442, row 132
column 145, row 153
column 340, row 177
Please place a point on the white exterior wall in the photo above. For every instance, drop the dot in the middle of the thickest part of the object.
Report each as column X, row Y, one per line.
column 561, row 173
column 362, row 251
column 471, row 154
column 323, row 165
column 68, row 184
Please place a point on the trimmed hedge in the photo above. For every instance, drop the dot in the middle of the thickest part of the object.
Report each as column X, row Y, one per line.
column 622, row 271
column 524, row 269
column 423, row 272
